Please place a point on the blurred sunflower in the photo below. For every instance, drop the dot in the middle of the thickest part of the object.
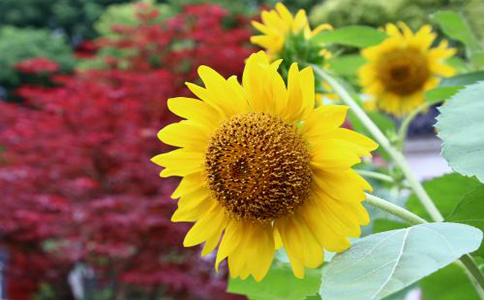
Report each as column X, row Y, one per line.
column 403, row 67
column 262, row 168
column 290, row 38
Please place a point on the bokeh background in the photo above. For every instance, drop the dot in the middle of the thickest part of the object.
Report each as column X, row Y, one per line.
column 83, row 89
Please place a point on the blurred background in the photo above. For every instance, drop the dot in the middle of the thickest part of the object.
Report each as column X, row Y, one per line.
column 83, row 89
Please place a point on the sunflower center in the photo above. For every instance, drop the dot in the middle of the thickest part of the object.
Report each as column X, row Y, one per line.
column 404, row 71
column 257, row 167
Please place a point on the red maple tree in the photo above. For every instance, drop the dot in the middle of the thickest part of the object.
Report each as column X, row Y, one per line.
column 76, row 179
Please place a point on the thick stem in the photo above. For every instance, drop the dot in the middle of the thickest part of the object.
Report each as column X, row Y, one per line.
column 397, row 156
column 473, row 271
column 393, row 209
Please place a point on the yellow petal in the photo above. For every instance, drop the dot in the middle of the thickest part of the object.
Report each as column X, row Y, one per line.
column 185, row 134
column 206, row 227
column 323, row 119
column 195, row 110
column 180, row 162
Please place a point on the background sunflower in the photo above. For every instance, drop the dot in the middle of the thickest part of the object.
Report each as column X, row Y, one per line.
column 403, row 67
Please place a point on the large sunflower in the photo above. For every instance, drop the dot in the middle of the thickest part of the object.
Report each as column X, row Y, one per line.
column 262, row 168
column 403, row 67
column 279, row 25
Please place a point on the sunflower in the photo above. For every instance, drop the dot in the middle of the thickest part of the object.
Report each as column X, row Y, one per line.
column 263, row 169
column 279, row 25
column 403, row 67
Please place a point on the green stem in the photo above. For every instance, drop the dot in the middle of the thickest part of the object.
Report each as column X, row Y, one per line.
column 402, row 133
column 393, row 209
column 473, row 271
column 376, row 175
column 397, row 156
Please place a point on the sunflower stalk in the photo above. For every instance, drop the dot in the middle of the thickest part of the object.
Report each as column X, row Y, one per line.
column 466, row 261
column 472, row 270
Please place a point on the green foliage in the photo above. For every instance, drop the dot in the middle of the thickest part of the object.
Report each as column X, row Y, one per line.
column 461, row 128
column 446, row 191
column 463, row 79
column 441, row 93
column 471, row 211
column 346, row 65
column 449, row 283
column 382, row 225
column 448, row 87
column 241, row 7
column 377, row 13
column 17, row 44
column 381, row 264
column 356, row 36
column 72, row 17
column 455, row 26
column 125, row 14
column 279, row 283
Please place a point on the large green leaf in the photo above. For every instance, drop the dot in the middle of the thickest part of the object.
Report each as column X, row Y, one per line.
column 446, row 192
column 279, row 283
column 455, row 26
column 449, row 283
column 471, row 211
column 356, row 36
column 381, row 264
column 460, row 125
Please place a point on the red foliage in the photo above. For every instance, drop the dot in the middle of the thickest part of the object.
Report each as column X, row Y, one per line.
column 76, row 179
column 37, row 65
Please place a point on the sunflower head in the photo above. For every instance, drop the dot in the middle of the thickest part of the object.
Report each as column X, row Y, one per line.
column 261, row 168
column 289, row 37
column 403, row 67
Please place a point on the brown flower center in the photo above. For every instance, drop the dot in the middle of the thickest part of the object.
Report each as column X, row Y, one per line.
column 404, row 71
column 257, row 167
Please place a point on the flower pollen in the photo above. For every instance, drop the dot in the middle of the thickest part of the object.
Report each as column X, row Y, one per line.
column 257, row 167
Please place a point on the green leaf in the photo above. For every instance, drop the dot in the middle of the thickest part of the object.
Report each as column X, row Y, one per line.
column 460, row 125
column 470, row 211
column 381, row 264
column 477, row 59
column 279, row 283
column 346, row 65
column 449, row 283
column 356, row 36
column 455, row 26
column 463, row 79
column 442, row 93
column 382, row 225
column 446, row 192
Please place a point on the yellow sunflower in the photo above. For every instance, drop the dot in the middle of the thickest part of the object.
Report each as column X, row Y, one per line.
column 403, row 67
column 278, row 25
column 262, row 169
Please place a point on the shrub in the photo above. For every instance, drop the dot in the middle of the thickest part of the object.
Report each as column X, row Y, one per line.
column 74, row 18
column 17, row 44
column 76, row 179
